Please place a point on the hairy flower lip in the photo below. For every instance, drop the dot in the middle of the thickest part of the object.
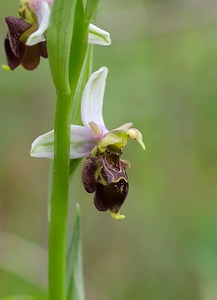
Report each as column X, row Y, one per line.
column 84, row 139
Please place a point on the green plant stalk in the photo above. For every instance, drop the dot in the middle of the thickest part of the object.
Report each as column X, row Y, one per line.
column 59, row 194
column 59, row 200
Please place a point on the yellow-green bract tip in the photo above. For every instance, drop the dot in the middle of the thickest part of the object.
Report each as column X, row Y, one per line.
column 117, row 216
column 6, row 68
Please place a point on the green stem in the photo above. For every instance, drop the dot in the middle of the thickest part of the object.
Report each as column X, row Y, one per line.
column 59, row 195
column 59, row 200
column 61, row 168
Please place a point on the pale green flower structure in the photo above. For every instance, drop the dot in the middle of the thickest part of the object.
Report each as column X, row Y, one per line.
column 93, row 135
column 42, row 10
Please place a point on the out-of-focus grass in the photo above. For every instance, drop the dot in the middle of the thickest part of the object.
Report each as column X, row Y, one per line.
column 12, row 285
column 163, row 70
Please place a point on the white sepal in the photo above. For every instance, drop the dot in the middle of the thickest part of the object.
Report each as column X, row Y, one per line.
column 92, row 99
column 81, row 143
column 43, row 17
column 43, row 146
column 98, row 36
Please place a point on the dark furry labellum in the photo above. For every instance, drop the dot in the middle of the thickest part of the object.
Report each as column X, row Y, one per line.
column 105, row 174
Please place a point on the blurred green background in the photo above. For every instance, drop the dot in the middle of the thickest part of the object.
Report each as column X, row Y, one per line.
column 162, row 77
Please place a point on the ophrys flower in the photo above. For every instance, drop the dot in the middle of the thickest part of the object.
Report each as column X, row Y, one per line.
column 25, row 42
column 103, row 171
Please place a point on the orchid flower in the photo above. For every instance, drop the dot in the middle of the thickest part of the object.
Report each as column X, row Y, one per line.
column 103, row 170
column 26, row 40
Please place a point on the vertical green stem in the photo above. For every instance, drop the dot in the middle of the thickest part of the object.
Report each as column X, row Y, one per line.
column 61, row 167
column 59, row 200
column 59, row 195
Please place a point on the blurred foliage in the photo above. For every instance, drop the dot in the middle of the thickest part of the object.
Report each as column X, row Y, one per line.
column 162, row 76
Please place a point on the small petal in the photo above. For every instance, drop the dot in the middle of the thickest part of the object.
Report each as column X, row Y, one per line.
column 92, row 99
column 123, row 127
column 96, row 131
column 43, row 17
column 81, row 143
column 98, row 36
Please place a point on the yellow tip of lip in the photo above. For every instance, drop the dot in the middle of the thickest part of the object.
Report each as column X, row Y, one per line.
column 6, row 68
column 117, row 216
